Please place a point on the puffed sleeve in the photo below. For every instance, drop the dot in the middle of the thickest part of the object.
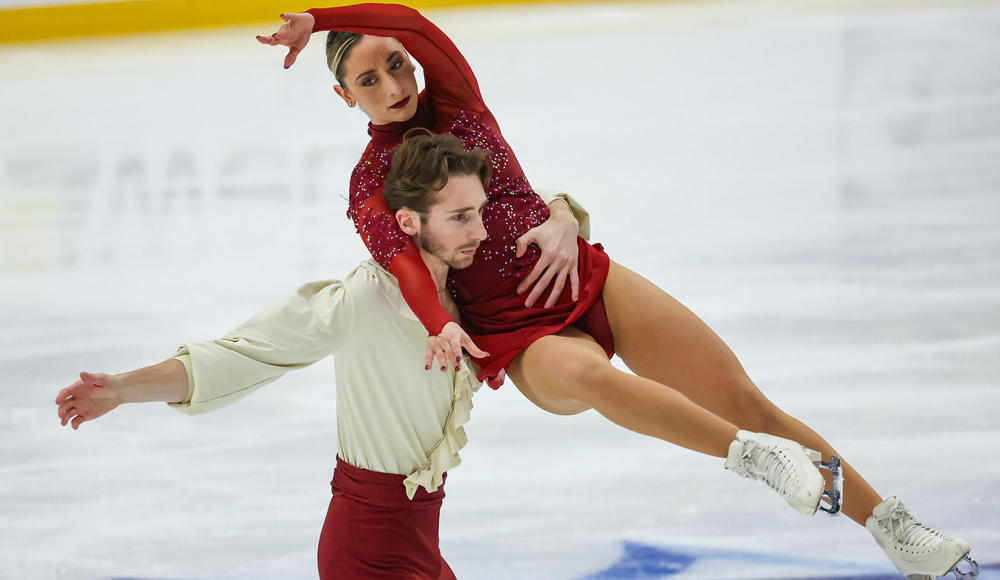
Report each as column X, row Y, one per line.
column 579, row 212
column 291, row 333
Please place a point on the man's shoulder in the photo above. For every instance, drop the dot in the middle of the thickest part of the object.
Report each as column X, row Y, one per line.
column 369, row 277
column 372, row 286
column 368, row 291
column 364, row 282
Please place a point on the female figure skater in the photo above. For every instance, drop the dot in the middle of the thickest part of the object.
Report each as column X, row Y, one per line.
column 556, row 344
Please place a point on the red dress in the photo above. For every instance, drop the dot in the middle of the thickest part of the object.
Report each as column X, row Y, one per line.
column 493, row 313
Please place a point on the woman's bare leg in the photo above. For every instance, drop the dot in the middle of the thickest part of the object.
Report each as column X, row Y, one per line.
column 568, row 372
column 660, row 339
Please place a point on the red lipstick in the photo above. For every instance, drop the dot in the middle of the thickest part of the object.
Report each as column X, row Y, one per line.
column 401, row 104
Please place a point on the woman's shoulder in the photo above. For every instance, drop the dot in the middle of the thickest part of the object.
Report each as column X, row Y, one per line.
column 374, row 162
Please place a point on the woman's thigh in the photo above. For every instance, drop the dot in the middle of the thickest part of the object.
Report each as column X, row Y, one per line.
column 549, row 371
column 660, row 339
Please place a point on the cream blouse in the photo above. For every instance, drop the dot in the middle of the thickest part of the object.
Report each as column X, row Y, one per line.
column 392, row 415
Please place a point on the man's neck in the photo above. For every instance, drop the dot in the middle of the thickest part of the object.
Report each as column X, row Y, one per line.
column 438, row 269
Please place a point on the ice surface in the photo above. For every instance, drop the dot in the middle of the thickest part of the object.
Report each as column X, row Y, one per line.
column 821, row 185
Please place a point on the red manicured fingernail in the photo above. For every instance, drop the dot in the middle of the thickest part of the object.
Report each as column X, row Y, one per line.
column 427, row 368
column 456, row 368
column 443, row 368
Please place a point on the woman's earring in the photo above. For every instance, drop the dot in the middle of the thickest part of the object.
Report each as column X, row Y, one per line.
column 350, row 104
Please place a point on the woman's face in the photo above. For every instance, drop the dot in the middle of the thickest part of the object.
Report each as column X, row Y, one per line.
column 379, row 76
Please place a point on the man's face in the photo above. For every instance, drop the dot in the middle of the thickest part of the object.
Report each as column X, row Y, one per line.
column 453, row 226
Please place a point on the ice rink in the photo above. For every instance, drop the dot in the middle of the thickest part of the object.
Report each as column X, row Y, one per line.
column 818, row 180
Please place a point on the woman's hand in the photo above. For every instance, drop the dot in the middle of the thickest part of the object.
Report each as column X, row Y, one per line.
column 447, row 347
column 294, row 34
column 560, row 254
column 89, row 398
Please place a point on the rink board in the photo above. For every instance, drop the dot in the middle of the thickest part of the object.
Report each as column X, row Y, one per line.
column 90, row 19
column 73, row 20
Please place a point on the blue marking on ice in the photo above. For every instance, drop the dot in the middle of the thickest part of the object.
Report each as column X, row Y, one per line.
column 645, row 561
column 648, row 562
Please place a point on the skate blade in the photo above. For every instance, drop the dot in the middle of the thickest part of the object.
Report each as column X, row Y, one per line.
column 965, row 569
column 836, row 493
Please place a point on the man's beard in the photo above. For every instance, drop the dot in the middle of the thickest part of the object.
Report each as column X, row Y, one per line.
column 430, row 245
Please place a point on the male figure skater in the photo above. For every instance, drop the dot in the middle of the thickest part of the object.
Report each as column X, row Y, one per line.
column 399, row 427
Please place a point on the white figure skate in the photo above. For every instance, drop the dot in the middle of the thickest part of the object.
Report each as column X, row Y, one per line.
column 917, row 551
column 788, row 468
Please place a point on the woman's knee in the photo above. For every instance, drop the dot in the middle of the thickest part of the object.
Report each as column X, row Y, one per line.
column 547, row 398
column 588, row 378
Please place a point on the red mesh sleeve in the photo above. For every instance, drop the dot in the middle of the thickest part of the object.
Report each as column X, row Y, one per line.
column 395, row 251
column 419, row 289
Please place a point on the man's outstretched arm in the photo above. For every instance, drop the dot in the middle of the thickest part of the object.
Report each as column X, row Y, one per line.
column 290, row 333
column 96, row 394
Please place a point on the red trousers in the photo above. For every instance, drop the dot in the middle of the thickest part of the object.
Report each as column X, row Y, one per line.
column 372, row 531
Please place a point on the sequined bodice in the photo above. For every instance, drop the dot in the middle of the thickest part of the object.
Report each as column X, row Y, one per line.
column 512, row 209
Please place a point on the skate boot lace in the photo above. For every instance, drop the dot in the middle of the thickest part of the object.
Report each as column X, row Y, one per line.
column 910, row 532
column 773, row 467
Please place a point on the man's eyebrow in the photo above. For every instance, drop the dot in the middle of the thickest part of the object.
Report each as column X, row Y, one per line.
column 463, row 210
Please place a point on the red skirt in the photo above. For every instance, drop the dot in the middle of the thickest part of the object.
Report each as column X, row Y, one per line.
column 504, row 327
column 373, row 532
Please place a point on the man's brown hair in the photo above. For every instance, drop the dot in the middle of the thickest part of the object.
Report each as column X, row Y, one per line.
column 422, row 164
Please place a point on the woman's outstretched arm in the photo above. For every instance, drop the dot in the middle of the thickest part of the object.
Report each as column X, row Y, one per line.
column 448, row 77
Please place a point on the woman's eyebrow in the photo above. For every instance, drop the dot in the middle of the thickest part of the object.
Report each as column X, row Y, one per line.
column 392, row 55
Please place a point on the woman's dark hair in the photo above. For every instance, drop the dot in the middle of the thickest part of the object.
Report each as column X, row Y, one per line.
column 422, row 164
column 338, row 47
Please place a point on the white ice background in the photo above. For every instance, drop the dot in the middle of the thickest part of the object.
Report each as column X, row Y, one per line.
column 819, row 181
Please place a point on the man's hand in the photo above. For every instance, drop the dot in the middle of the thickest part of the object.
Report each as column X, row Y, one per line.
column 97, row 393
column 560, row 255
column 447, row 347
column 89, row 398
column 294, row 34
